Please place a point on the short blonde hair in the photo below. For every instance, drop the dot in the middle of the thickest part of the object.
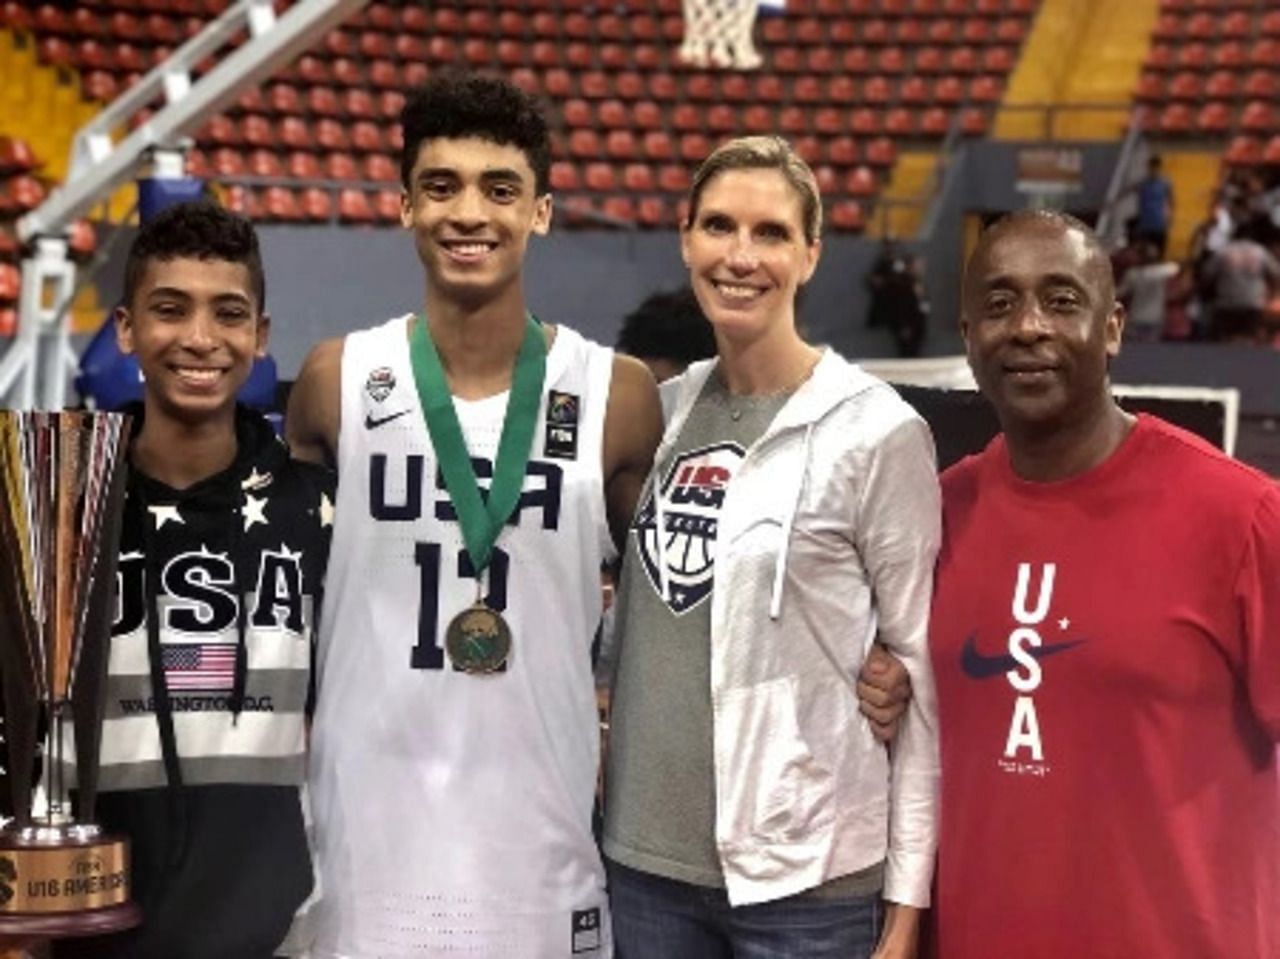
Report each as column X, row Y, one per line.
column 762, row 153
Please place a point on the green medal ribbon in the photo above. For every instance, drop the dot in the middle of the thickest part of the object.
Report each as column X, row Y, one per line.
column 481, row 519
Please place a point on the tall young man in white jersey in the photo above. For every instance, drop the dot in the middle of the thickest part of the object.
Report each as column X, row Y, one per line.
column 484, row 458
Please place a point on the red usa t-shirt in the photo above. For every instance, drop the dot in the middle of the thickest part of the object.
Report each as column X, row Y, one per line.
column 1107, row 654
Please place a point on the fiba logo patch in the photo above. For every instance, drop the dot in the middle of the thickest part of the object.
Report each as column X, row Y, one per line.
column 692, row 495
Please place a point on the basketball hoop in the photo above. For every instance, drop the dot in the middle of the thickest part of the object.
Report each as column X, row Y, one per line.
column 717, row 33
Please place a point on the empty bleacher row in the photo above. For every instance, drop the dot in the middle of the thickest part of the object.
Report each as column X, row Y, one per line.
column 847, row 80
column 1213, row 69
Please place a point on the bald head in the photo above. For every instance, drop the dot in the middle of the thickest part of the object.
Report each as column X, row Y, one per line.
column 1083, row 246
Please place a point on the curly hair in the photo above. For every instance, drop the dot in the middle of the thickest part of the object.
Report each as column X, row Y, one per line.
column 200, row 230
column 458, row 104
column 668, row 325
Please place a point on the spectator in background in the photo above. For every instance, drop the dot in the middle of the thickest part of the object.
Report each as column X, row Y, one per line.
column 667, row 332
column 1241, row 279
column 897, row 297
column 1155, row 205
column 1143, row 290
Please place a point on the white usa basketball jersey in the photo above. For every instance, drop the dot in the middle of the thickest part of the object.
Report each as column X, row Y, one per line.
column 453, row 811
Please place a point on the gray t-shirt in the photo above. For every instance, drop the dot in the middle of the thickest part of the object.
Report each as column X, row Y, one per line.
column 660, row 778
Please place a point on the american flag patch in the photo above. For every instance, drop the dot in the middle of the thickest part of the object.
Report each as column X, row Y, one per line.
column 203, row 666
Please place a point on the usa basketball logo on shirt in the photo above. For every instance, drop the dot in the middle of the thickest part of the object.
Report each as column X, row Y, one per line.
column 693, row 492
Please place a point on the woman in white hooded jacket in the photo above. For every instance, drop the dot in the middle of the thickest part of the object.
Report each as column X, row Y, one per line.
column 750, row 812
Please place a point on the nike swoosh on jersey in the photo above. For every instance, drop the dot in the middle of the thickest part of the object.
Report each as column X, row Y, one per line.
column 978, row 666
column 372, row 423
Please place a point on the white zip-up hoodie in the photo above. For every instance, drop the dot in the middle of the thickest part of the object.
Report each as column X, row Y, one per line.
column 827, row 534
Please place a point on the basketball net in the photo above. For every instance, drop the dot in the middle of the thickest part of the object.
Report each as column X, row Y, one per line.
column 717, row 33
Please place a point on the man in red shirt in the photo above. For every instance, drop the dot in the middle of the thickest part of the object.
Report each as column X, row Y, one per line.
column 1106, row 645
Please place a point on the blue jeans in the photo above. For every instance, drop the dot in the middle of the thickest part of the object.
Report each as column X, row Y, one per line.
column 659, row 918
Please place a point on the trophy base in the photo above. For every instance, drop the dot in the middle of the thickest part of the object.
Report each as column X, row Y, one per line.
column 64, row 880
column 66, row 925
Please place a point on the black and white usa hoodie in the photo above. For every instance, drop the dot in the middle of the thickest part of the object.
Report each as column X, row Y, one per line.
column 208, row 689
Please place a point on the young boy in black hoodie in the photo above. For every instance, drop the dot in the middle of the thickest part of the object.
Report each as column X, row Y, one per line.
column 222, row 557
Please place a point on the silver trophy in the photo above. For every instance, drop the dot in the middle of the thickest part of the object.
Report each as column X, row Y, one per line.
column 62, row 488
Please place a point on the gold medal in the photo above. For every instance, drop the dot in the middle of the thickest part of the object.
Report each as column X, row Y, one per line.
column 478, row 640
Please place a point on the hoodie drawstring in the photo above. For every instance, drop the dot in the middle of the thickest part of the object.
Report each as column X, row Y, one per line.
column 241, row 672
column 160, row 687
column 780, row 564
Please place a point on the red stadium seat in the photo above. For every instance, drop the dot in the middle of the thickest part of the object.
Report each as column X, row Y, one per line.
column 1271, row 153
column 929, row 60
column 358, row 104
column 302, row 165
column 653, row 211
column 294, row 133
column 323, row 102
column 793, row 120
column 341, row 166
column 595, row 84
column 829, row 121
column 1185, row 85
column 564, row 176
column 600, row 177
column 973, row 122
column 414, row 19
column 584, row 144
column 663, row 86
column 866, row 121
column 722, row 118
column 758, row 118
column 1230, row 55
column 735, row 88
column 1221, row 85
column 1237, row 23
column 809, row 148
column 1243, row 151
column 674, row 178
column 976, row 31
column 367, row 137
column 861, row 181
column 279, row 203
column 843, row 151
column 1176, row 118
column 768, row 88
column 807, row 89
column 647, row 115
column 847, row 216
column 658, row 146
column 1258, row 116
column 621, row 145
column 243, row 200
column 856, row 60
column 558, row 82
column 1214, row 117
column 577, row 112
column 694, row 147
column 100, row 85
column 914, row 90
column 900, row 121
column 380, row 168
column 842, row 89
column 1260, row 84
column 1264, row 52
column 686, row 117
column 881, row 152
column 637, row 177
column 226, row 162
column 612, row 114
column 826, row 179
column 354, row 207
column 629, row 85
column 331, row 135
column 985, row 89
column 876, row 90
column 935, row 121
